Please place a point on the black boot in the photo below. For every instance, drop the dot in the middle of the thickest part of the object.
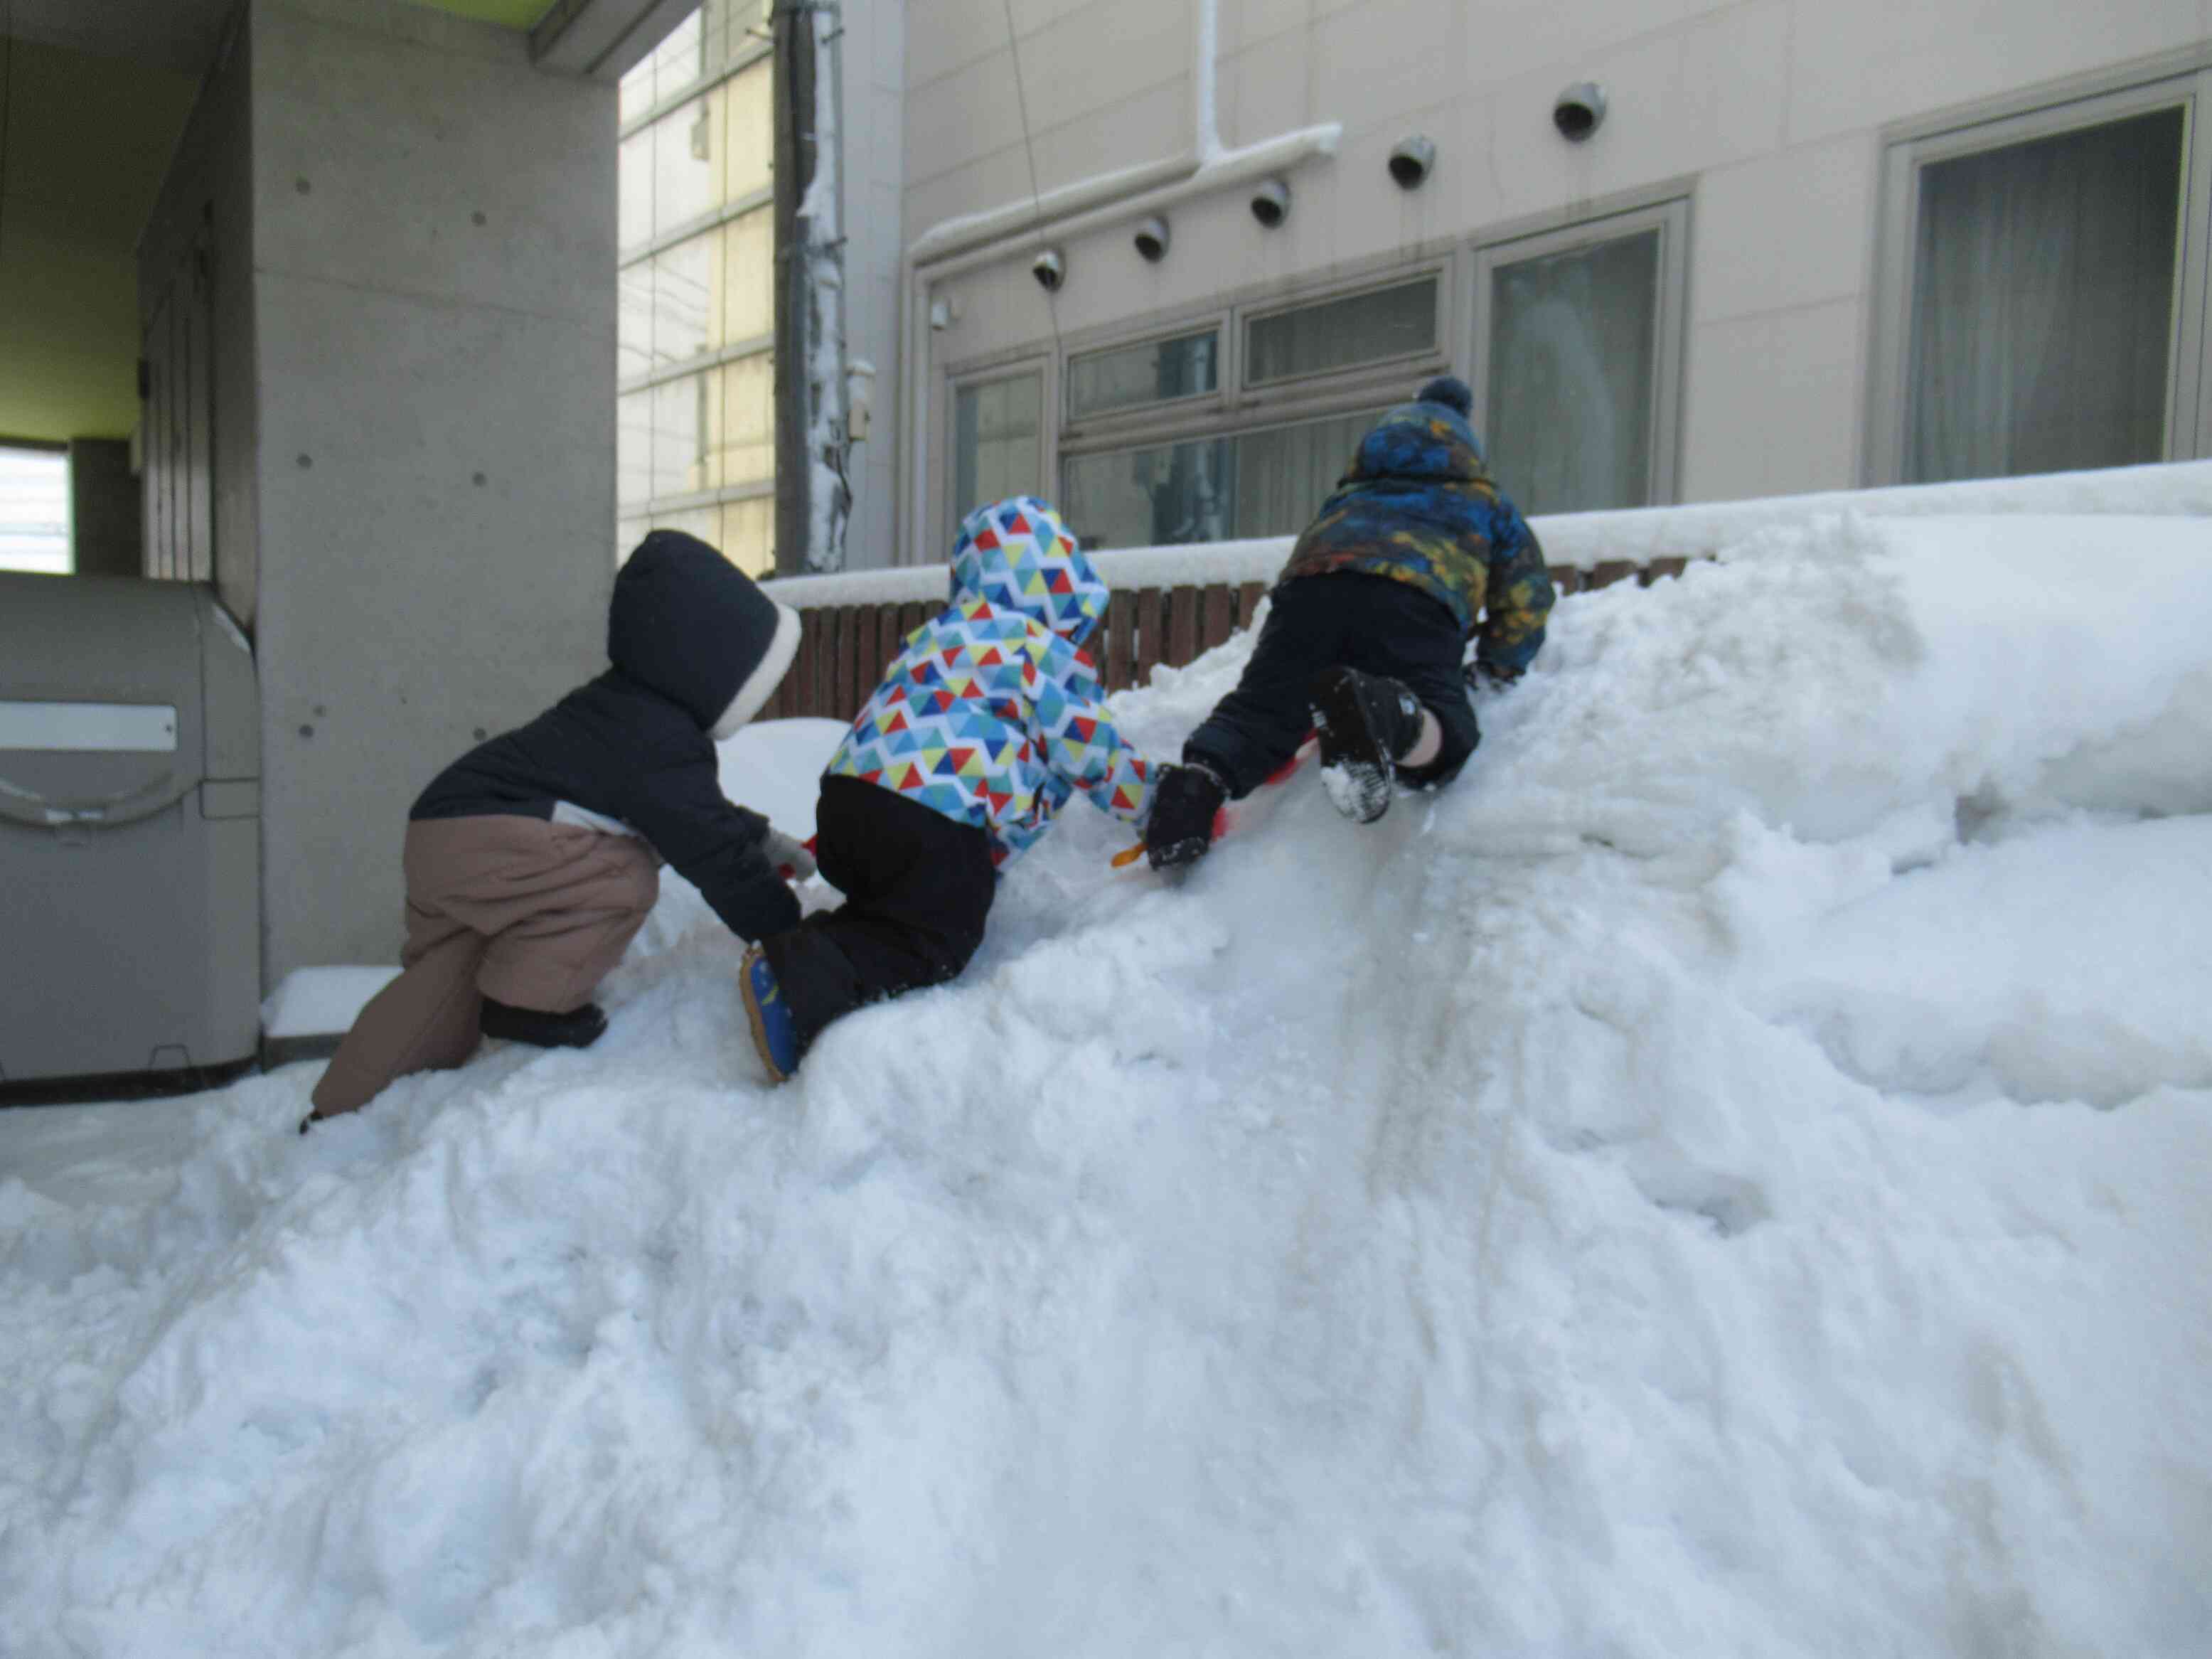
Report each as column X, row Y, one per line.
column 1181, row 827
column 1365, row 722
column 578, row 1029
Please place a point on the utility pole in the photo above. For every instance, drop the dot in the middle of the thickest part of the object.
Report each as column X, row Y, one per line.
column 813, row 497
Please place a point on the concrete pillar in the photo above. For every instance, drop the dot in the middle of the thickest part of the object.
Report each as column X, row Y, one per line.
column 415, row 229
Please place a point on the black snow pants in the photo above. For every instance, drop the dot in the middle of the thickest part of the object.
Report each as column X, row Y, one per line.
column 1347, row 619
column 917, row 887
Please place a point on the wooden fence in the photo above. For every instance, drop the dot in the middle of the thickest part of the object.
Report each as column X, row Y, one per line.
column 844, row 649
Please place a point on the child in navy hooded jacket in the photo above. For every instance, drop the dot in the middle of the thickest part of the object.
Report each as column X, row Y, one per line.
column 985, row 723
column 531, row 860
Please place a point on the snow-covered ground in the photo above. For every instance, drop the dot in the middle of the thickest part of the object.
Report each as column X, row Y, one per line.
column 1732, row 1175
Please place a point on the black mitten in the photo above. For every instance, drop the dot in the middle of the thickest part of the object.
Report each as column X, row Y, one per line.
column 1181, row 827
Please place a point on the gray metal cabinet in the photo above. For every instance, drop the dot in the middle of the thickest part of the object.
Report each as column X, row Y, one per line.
column 130, row 830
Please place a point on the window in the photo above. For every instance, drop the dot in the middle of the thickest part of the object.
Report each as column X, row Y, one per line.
column 1284, row 473
column 744, row 529
column 997, row 442
column 34, row 510
column 1263, row 482
column 1129, row 377
column 1242, row 425
column 1578, row 348
column 2042, row 292
column 1151, row 495
column 717, row 36
column 695, row 423
column 1360, row 328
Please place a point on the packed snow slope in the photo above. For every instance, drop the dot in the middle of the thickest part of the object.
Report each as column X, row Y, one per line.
column 1731, row 1176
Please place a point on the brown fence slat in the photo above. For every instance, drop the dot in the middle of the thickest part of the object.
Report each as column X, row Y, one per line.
column 1183, row 625
column 1611, row 571
column 822, row 695
column 1151, row 606
column 860, row 624
column 1565, row 578
column 1121, row 625
column 843, row 704
column 1659, row 568
column 867, row 661
column 824, row 664
column 888, row 635
column 799, row 684
column 829, row 685
column 774, row 709
column 1248, row 601
column 1218, row 617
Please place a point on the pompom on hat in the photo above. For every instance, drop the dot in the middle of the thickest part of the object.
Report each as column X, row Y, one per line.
column 1449, row 390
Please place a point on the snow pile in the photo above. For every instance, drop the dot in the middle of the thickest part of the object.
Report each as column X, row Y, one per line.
column 1733, row 1175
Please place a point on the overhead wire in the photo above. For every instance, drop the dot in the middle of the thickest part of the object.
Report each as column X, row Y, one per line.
column 1029, row 149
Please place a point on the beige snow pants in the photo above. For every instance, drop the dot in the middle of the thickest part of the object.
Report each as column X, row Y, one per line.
column 530, row 913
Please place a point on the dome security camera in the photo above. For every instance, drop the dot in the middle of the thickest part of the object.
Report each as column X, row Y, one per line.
column 1050, row 269
column 1578, row 111
column 1412, row 159
column 1271, row 202
column 1151, row 239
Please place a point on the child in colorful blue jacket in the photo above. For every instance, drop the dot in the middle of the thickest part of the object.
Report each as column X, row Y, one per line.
column 985, row 723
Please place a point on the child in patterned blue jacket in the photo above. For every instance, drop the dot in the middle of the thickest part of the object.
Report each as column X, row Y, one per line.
column 985, row 723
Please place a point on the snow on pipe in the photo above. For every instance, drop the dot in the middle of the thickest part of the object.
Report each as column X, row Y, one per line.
column 971, row 230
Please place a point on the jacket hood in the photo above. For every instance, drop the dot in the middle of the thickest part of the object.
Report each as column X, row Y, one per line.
column 1018, row 555
column 1424, row 442
column 688, row 623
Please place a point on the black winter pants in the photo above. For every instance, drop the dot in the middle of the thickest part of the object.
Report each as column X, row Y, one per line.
column 1375, row 624
column 917, row 887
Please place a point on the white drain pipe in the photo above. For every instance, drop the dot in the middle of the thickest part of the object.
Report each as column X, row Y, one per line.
column 955, row 245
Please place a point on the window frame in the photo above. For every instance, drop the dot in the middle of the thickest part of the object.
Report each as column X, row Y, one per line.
column 1398, row 367
column 1908, row 151
column 1670, row 216
column 990, row 371
column 1236, row 408
column 1216, row 321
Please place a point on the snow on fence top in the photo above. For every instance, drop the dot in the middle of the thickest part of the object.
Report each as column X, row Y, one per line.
column 1584, row 540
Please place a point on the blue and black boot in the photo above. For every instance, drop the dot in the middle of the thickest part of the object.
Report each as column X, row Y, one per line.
column 1364, row 723
column 775, row 1029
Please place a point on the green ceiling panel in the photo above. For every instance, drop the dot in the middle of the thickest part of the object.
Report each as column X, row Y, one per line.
column 508, row 14
column 86, row 141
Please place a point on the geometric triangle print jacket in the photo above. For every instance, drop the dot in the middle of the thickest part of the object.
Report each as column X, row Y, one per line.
column 989, row 714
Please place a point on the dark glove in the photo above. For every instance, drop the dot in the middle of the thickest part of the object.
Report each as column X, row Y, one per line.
column 751, row 899
column 1184, row 804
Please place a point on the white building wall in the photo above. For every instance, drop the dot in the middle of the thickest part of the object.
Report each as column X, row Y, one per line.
column 1771, row 114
